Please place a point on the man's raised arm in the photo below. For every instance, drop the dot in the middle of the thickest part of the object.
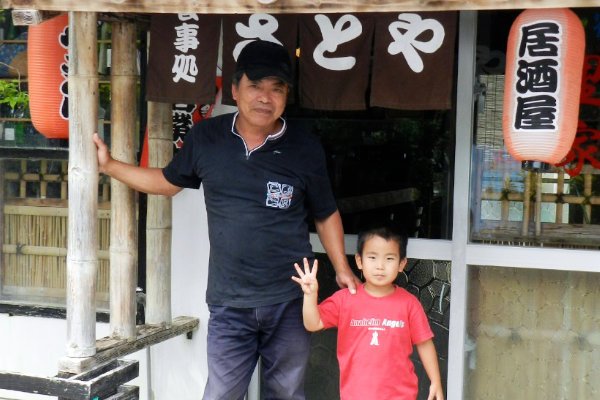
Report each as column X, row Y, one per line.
column 147, row 180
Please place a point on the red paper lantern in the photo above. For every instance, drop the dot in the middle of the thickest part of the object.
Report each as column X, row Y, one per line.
column 545, row 54
column 47, row 64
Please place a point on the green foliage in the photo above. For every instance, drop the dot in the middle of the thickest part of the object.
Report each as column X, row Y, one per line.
column 12, row 94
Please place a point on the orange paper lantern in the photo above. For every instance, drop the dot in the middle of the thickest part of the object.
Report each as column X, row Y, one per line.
column 47, row 65
column 545, row 54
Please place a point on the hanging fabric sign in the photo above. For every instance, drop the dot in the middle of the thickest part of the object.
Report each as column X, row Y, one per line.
column 545, row 54
column 335, row 53
column 183, row 58
column 239, row 30
column 413, row 60
column 48, row 70
column 184, row 117
column 409, row 63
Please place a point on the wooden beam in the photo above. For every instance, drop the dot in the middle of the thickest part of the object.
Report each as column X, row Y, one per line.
column 31, row 17
column 44, row 208
column 377, row 200
column 285, row 6
column 126, row 393
column 110, row 348
column 82, row 238
column 25, row 17
column 17, row 308
column 44, row 251
column 103, row 380
column 41, row 385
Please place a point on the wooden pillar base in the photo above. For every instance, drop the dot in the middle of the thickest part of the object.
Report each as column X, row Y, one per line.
column 109, row 348
column 103, row 382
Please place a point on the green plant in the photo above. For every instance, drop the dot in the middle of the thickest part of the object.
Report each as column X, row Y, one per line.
column 12, row 95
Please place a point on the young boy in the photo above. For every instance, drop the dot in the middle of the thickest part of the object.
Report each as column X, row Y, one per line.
column 377, row 326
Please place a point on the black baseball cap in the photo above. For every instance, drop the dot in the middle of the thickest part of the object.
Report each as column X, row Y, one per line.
column 260, row 59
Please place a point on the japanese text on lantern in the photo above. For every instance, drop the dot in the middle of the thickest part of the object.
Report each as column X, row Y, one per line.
column 184, row 65
column 537, row 77
column 63, row 39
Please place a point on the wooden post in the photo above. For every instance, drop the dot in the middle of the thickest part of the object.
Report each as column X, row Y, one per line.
column 123, row 232
column 64, row 169
column 526, row 203
column 82, row 241
column 158, row 219
column 587, row 192
column 43, row 181
column 538, row 203
column 560, row 189
column 505, row 204
column 23, row 182
column 2, row 256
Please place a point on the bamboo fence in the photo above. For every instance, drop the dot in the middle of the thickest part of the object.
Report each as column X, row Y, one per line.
column 34, row 227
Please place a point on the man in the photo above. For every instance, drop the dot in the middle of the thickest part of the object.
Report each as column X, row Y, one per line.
column 262, row 180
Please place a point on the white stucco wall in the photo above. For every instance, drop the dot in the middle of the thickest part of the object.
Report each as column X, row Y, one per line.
column 178, row 366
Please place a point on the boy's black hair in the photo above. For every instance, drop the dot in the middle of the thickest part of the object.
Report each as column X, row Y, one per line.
column 384, row 232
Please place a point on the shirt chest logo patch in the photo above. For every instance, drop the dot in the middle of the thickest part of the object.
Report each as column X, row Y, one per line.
column 279, row 195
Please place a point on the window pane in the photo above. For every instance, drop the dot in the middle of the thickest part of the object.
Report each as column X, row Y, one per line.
column 555, row 205
column 389, row 167
column 532, row 334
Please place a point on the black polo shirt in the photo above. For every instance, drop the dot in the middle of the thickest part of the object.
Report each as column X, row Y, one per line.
column 258, row 204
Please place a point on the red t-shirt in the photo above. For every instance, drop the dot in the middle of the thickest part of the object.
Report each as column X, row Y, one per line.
column 375, row 340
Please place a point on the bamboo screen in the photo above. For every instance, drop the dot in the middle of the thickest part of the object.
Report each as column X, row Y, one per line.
column 34, row 225
column 517, row 206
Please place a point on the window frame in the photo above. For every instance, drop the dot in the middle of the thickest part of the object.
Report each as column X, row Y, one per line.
column 465, row 254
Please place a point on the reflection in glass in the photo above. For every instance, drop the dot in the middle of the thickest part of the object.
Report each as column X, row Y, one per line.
column 388, row 167
column 555, row 205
